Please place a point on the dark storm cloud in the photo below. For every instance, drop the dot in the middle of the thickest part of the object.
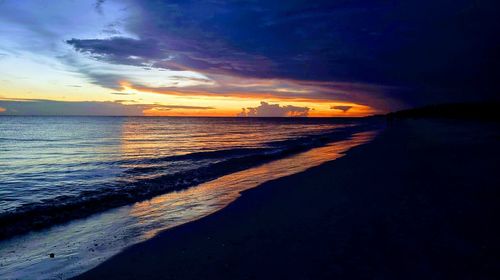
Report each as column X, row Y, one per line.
column 434, row 51
column 170, row 54
column 121, row 50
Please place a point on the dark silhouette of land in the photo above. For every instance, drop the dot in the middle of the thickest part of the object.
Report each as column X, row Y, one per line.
column 419, row 202
column 475, row 111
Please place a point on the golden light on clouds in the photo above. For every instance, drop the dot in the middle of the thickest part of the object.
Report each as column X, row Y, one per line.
column 211, row 96
column 231, row 103
column 189, row 101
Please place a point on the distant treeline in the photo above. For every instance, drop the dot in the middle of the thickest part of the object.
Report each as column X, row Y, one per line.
column 484, row 111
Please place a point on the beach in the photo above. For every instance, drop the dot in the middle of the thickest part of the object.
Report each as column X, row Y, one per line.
column 418, row 202
column 249, row 140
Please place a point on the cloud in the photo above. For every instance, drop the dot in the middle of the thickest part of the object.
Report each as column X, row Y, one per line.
column 170, row 54
column 123, row 93
column 173, row 107
column 434, row 50
column 309, row 91
column 96, row 73
column 90, row 108
column 121, row 50
column 181, row 46
column 342, row 108
column 98, row 5
column 69, row 108
column 116, row 77
column 274, row 110
column 188, row 107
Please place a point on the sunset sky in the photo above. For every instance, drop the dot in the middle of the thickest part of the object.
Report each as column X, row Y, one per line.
column 244, row 58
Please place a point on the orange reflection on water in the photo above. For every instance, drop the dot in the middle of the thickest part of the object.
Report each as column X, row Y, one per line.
column 180, row 207
column 163, row 137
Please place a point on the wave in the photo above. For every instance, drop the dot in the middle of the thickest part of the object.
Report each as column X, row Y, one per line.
column 203, row 167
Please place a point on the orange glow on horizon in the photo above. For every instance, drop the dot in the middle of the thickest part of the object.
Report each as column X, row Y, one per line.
column 159, row 112
column 197, row 101
column 355, row 111
column 231, row 104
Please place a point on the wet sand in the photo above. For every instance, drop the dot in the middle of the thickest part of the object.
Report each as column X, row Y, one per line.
column 419, row 202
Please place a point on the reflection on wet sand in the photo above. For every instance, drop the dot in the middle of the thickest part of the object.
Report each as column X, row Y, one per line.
column 180, row 207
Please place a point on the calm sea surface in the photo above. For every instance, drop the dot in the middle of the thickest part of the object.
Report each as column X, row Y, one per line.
column 59, row 170
column 64, row 159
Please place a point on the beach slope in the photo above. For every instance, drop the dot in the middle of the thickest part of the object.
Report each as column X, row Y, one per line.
column 419, row 202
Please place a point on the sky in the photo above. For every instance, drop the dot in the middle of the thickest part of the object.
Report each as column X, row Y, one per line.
column 244, row 58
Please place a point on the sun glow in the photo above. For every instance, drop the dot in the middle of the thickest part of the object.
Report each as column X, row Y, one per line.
column 199, row 103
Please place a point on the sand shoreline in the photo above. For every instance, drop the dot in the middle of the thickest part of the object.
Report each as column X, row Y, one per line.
column 438, row 196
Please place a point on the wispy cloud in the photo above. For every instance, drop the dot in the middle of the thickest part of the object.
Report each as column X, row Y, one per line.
column 123, row 93
column 85, row 108
column 98, row 5
column 342, row 108
column 50, row 107
column 170, row 107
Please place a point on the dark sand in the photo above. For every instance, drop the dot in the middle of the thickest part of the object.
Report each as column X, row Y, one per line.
column 422, row 201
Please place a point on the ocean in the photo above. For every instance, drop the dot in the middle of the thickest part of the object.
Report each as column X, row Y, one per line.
column 85, row 188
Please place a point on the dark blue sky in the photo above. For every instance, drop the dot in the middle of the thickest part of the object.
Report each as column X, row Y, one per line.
column 436, row 51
